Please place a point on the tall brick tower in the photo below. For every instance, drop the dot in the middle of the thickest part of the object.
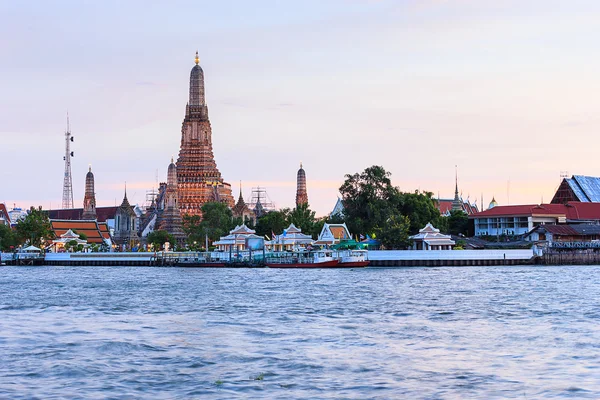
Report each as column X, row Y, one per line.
column 301, row 195
column 199, row 181
column 89, row 199
column 170, row 219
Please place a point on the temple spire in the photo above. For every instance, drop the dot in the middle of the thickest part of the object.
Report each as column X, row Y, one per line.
column 301, row 193
column 197, row 85
column 89, row 199
column 457, row 203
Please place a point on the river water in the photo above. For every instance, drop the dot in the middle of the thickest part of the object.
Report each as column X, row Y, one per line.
column 414, row 333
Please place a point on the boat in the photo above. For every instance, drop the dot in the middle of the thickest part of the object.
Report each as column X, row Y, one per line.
column 303, row 259
column 353, row 259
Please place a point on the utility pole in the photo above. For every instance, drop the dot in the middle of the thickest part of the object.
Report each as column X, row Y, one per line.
column 67, row 198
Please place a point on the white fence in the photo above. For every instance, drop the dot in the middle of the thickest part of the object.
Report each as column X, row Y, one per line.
column 121, row 256
column 447, row 255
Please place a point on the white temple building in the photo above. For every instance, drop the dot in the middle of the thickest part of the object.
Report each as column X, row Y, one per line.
column 292, row 238
column 430, row 238
column 332, row 234
column 236, row 240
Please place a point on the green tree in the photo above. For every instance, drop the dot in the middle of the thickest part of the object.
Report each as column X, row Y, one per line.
column 458, row 223
column 159, row 238
column 369, row 199
column 217, row 220
column 193, row 231
column 420, row 208
column 303, row 217
column 273, row 222
column 394, row 234
column 71, row 245
column 7, row 238
column 35, row 228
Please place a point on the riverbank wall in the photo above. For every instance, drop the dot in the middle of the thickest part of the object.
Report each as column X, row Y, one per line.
column 378, row 258
column 451, row 258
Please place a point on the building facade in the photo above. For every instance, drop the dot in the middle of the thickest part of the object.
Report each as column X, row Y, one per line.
column 125, row 234
column 520, row 219
column 199, row 180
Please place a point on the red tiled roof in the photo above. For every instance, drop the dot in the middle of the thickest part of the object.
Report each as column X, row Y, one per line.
column 444, row 206
column 103, row 226
column 574, row 210
column 103, row 213
column 583, row 211
column 89, row 228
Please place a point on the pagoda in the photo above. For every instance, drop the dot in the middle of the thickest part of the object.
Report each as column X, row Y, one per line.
column 89, row 200
column 301, row 195
column 170, row 219
column 199, row 181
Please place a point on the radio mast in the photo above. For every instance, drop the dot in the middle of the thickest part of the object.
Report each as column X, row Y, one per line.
column 67, row 198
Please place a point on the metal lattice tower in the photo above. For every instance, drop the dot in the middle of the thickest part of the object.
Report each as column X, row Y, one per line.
column 67, row 198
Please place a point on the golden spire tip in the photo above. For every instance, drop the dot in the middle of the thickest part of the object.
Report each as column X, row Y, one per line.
column 197, row 58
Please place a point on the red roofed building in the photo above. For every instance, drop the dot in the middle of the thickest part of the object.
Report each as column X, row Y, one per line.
column 445, row 206
column 520, row 219
column 89, row 228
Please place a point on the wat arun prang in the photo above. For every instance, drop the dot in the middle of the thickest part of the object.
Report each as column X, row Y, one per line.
column 198, row 179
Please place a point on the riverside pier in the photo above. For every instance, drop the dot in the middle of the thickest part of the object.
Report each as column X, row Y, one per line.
column 377, row 258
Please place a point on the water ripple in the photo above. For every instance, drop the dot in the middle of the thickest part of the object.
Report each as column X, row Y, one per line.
column 419, row 333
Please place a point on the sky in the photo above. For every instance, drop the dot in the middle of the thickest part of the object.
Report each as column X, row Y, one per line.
column 507, row 91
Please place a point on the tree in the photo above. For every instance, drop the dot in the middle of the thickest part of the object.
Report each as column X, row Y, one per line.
column 71, row 244
column 7, row 238
column 34, row 228
column 420, row 208
column 273, row 222
column 458, row 223
column 394, row 234
column 217, row 220
column 369, row 199
column 159, row 238
column 302, row 217
column 193, row 231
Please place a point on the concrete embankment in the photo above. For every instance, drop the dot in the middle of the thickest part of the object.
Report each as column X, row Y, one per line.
column 433, row 258
column 378, row 258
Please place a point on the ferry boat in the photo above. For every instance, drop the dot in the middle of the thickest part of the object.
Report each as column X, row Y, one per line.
column 353, row 259
column 313, row 259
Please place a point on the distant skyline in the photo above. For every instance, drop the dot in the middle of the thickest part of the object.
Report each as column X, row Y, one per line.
column 508, row 91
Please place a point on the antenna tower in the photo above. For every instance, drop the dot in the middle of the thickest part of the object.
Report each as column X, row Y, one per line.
column 67, row 198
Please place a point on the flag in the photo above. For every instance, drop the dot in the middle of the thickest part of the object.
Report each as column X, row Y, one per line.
column 362, row 237
column 273, row 234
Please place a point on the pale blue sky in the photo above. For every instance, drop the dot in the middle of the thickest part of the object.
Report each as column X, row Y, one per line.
column 507, row 90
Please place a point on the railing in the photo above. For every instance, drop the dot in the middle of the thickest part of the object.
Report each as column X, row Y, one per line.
column 574, row 245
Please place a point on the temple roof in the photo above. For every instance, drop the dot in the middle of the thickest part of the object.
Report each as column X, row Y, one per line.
column 88, row 227
column 432, row 235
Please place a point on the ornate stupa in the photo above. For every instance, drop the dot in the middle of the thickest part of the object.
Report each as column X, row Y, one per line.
column 301, row 195
column 199, row 180
column 125, row 233
column 170, row 218
column 242, row 210
column 89, row 199
column 457, row 203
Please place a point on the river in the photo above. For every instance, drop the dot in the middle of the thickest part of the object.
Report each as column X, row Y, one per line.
column 525, row 332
